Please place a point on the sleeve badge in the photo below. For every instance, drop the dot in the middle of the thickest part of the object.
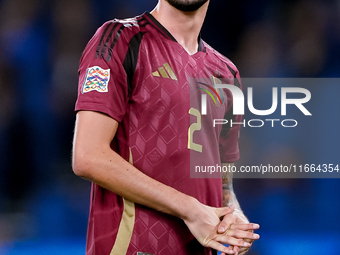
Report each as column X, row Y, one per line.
column 96, row 79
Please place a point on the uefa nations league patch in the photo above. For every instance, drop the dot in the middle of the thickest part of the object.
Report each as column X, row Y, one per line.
column 96, row 79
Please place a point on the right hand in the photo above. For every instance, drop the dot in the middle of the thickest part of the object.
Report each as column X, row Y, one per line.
column 233, row 222
column 203, row 223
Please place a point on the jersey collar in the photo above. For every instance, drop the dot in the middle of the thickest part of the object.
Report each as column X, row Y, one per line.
column 160, row 27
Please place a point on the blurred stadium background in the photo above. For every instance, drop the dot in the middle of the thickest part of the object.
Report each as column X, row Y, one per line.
column 44, row 207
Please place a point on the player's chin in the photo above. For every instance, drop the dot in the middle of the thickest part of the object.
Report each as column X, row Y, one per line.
column 187, row 5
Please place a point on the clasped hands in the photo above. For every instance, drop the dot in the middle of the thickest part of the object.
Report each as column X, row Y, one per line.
column 213, row 227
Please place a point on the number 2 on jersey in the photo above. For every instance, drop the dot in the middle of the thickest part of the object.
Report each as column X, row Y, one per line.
column 194, row 127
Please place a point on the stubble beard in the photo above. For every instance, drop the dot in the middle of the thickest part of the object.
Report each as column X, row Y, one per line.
column 187, row 5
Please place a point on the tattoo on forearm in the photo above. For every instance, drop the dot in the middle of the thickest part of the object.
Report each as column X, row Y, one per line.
column 227, row 186
column 228, row 191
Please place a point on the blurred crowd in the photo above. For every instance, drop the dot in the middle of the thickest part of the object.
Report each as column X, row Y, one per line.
column 40, row 46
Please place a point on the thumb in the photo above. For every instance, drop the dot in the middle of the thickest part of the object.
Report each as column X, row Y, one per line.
column 225, row 210
column 224, row 224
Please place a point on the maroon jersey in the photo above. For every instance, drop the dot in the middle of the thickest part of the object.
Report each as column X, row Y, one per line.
column 136, row 72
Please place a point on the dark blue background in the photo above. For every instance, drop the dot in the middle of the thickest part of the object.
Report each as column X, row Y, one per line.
column 44, row 207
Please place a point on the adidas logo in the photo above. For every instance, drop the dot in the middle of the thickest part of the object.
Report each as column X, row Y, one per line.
column 166, row 72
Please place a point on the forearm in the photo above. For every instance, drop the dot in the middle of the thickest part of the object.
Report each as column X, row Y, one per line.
column 229, row 196
column 109, row 170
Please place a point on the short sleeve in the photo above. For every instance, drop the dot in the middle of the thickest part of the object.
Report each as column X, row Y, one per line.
column 229, row 137
column 102, row 83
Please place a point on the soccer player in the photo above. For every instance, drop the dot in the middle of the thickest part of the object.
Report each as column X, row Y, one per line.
column 138, row 128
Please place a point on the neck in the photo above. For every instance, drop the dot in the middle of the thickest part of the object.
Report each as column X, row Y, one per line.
column 184, row 26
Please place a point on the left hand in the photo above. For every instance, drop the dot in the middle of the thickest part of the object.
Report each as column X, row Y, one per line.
column 237, row 217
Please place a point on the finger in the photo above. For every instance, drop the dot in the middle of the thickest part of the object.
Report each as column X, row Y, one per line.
column 236, row 250
column 220, row 247
column 249, row 240
column 243, row 251
column 232, row 241
column 246, row 227
column 229, row 246
column 225, row 210
column 225, row 224
column 246, row 235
